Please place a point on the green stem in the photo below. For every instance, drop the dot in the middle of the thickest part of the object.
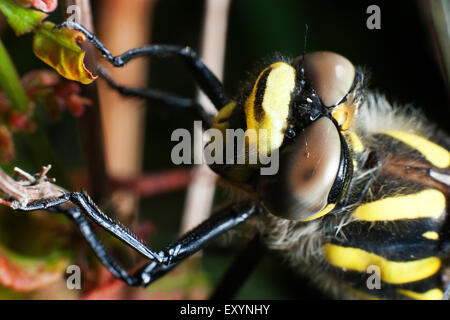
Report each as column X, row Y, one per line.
column 10, row 81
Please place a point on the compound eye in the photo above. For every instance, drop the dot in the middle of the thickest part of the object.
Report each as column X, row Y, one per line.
column 330, row 74
column 308, row 171
column 315, row 166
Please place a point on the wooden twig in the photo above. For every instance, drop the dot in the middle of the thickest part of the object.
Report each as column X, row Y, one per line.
column 123, row 25
column 201, row 192
column 148, row 185
column 22, row 192
column 90, row 124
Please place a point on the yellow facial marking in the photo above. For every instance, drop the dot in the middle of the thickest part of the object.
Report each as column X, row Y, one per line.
column 272, row 112
column 344, row 114
column 355, row 142
column 429, row 203
column 394, row 272
column 432, row 235
column 432, row 294
column 221, row 119
column 434, row 153
column 322, row 212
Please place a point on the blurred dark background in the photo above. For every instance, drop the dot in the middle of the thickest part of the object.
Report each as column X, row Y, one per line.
column 400, row 59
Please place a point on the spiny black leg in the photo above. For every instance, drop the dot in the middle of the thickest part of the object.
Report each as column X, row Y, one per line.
column 84, row 201
column 194, row 240
column 207, row 81
column 239, row 270
column 151, row 94
column 157, row 96
column 41, row 204
column 76, row 214
column 99, row 250
column 219, row 223
column 163, row 261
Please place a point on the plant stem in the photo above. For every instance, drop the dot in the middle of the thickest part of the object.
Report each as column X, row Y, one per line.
column 123, row 26
column 90, row 124
column 10, row 81
column 200, row 194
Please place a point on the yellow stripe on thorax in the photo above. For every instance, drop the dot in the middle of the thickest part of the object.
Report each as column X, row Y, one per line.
column 275, row 105
column 434, row 153
column 432, row 294
column 428, row 203
column 394, row 272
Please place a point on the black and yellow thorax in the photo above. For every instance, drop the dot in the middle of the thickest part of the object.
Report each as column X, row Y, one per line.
column 397, row 217
column 376, row 189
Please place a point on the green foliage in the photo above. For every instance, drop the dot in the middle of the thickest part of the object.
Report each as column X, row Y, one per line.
column 56, row 47
column 10, row 82
column 59, row 49
column 22, row 20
